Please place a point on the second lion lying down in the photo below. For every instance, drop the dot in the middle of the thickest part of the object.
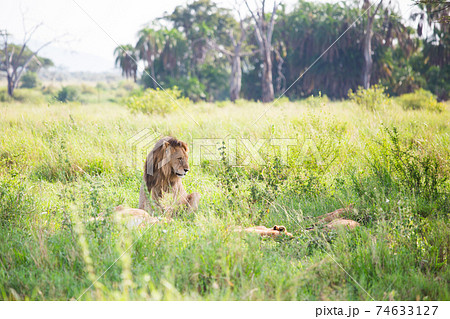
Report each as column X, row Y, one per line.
column 165, row 166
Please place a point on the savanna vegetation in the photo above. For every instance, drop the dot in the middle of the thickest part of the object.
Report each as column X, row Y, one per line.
column 63, row 163
column 377, row 141
column 201, row 48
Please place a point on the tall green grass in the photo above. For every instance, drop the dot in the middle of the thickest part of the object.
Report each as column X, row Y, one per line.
column 62, row 164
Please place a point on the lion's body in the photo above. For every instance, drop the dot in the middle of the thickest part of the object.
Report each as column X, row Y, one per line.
column 342, row 223
column 335, row 221
column 131, row 217
column 164, row 168
column 275, row 231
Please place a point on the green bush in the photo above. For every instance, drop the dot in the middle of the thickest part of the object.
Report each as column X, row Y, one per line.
column 420, row 99
column 29, row 96
column 88, row 89
column 15, row 201
column 129, row 86
column 372, row 98
column 409, row 166
column 50, row 90
column 221, row 104
column 241, row 102
column 282, row 100
column 23, row 95
column 317, row 101
column 29, row 80
column 157, row 101
column 190, row 87
column 4, row 97
column 68, row 94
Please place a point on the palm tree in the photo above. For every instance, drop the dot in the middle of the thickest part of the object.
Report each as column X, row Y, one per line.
column 304, row 34
column 149, row 46
column 174, row 53
column 126, row 59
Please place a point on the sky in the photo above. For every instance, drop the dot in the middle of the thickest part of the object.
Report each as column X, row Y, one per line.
column 87, row 31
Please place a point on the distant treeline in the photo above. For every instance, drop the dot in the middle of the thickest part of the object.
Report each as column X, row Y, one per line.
column 62, row 75
column 205, row 50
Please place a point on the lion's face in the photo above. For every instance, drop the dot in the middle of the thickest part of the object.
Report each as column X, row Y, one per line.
column 166, row 162
column 178, row 161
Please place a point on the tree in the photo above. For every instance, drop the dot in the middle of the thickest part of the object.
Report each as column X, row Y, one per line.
column 367, row 41
column 393, row 45
column 207, row 52
column 263, row 33
column 15, row 59
column 126, row 59
column 234, row 56
column 199, row 22
column 29, row 80
column 174, row 57
column 149, row 46
column 309, row 32
column 434, row 64
column 303, row 34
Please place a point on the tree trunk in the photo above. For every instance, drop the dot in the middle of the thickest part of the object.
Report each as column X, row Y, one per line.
column 267, row 85
column 151, row 66
column 10, row 86
column 367, row 52
column 236, row 75
column 263, row 33
column 13, row 69
column 367, row 43
column 281, row 79
column 152, row 71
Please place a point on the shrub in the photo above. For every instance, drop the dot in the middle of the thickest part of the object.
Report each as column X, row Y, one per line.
column 22, row 95
column 282, row 100
column 29, row 96
column 420, row 99
column 15, row 202
column 4, row 97
column 129, row 86
column 29, row 80
column 157, row 101
column 241, row 102
column 372, row 98
column 68, row 93
column 317, row 101
column 50, row 90
column 410, row 165
column 190, row 87
column 221, row 104
column 88, row 89
column 101, row 86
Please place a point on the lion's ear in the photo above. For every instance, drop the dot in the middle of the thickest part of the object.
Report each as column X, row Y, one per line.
column 185, row 146
column 165, row 145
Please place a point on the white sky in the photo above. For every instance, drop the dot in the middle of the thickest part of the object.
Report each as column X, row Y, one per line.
column 121, row 19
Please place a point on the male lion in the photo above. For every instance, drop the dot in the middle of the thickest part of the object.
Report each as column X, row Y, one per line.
column 166, row 165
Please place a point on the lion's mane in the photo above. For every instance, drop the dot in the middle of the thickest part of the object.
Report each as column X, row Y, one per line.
column 158, row 175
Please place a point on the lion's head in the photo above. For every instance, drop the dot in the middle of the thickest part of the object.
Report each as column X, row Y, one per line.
column 167, row 162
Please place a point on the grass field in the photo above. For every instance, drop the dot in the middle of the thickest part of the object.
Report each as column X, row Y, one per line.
column 61, row 164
